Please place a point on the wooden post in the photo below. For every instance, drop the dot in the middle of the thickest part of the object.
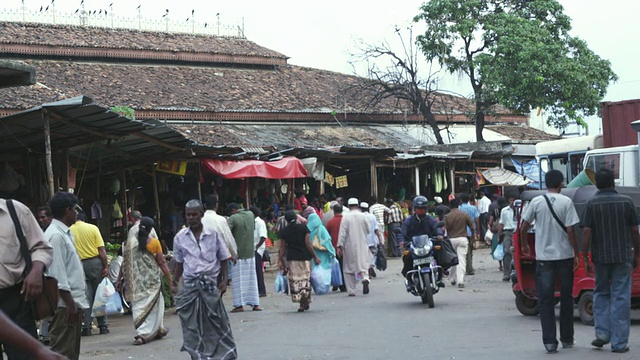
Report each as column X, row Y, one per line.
column 64, row 179
column 247, row 194
column 199, row 175
column 453, row 177
column 47, row 151
column 374, row 178
column 125, row 223
column 156, row 197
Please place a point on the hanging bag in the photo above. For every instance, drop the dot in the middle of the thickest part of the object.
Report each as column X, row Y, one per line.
column 498, row 253
column 336, row 274
column 46, row 303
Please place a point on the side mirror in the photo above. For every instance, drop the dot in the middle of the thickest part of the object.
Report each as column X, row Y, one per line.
column 397, row 230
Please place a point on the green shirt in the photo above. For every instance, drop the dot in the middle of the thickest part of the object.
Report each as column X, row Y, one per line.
column 241, row 225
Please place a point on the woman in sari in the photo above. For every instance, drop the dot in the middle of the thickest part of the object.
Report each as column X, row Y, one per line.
column 144, row 265
column 321, row 241
column 299, row 251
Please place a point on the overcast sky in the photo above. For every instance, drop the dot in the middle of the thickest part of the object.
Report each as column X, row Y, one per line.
column 322, row 34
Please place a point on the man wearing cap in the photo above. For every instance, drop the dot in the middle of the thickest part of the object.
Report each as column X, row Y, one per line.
column 352, row 246
column 374, row 238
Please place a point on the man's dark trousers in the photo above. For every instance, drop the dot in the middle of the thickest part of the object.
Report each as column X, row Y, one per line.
column 262, row 289
column 546, row 274
column 93, row 277
column 19, row 311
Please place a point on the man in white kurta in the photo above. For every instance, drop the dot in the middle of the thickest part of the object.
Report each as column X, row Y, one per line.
column 352, row 244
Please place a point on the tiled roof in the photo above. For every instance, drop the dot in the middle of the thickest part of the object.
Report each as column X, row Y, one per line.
column 522, row 132
column 281, row 137
column 92, row 37
column 190, row 88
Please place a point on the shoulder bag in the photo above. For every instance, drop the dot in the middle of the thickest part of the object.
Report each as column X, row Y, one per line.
column 46, row 303
column 553, row 213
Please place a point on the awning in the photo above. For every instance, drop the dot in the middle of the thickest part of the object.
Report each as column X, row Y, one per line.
column 286, row 168
column 501, row 177
column 315, row 168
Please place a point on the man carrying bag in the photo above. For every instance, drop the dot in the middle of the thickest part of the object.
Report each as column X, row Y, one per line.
column 19, row 286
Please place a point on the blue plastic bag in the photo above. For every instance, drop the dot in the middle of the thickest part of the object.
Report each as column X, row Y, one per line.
column 336, row 274
column 281, row 284
column 320, row 280
column 498, row 253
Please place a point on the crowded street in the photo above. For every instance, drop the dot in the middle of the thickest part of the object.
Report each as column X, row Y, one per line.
column 477, row 322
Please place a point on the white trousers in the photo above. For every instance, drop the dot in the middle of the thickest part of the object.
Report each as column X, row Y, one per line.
column 461, row 245
column 350, row 281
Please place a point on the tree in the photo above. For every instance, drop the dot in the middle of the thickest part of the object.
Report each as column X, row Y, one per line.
column 399, row 80
column 518, row 54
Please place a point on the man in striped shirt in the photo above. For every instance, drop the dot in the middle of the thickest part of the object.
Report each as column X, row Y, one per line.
column 610, row 225
column 394, row 220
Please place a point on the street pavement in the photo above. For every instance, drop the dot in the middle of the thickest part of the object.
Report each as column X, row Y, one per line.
column 477, row 322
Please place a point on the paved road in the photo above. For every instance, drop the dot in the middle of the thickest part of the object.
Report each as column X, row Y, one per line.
column 478, row 322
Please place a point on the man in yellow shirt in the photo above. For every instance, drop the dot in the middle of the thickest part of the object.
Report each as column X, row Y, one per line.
column 90, row 247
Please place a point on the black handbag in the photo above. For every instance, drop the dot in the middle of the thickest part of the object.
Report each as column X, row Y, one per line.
column 447, row 256
column 381, row 260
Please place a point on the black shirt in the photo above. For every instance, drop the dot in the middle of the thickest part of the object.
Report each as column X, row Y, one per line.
column 610, row 215
column 294, row 236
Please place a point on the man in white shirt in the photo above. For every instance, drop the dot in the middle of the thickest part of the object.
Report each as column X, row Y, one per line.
column 506, row 227
column 259, row 237
column 66, row 267
column 218, row 223
column 483, row 203
column 557, row 257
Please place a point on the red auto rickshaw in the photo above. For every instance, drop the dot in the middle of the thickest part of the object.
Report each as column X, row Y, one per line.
column 524, row 280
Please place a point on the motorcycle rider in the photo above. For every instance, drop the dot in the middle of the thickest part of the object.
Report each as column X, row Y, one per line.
column 417, row 224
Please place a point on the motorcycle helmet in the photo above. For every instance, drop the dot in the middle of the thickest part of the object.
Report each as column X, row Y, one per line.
column 420, row 202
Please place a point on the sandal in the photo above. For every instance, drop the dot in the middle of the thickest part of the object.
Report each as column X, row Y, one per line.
column 162, row 333
column 237, row 309
column 138, row 341
column 301, row 310
column 257, row 308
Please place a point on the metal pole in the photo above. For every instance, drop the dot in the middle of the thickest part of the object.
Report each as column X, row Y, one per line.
column 417, row 176
column 47, row 151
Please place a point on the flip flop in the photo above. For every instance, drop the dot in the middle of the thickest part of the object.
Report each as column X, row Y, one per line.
column 138, row 341
column 257, row 308
column 237, row 309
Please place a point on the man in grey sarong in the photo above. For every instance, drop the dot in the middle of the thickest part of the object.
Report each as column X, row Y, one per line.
column 201, row 256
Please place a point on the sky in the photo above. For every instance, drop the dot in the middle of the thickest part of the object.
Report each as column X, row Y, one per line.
column 323, row 35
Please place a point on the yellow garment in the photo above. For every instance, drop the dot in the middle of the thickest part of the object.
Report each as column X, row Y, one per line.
column 87, row 239
column 327, row 207
column 154, row 246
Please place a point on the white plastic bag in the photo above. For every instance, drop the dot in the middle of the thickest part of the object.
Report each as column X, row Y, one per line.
column 320, row 280
column 104, row 293
column 488, row 236
column 498, row 253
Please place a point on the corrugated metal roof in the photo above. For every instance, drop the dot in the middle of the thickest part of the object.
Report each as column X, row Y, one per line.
column 73, row 122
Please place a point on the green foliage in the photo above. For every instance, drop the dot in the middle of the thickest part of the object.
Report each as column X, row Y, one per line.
column 516, row 53
column 125, row 111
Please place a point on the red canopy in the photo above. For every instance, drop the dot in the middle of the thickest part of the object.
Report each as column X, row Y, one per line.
column 286, row 168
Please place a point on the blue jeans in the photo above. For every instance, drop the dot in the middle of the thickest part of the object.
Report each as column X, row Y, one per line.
column 612, row 303
column 546, row 274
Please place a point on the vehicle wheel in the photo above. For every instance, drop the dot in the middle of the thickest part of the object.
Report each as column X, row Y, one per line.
column 585, row 307
column 427, row 292
column 526, row 306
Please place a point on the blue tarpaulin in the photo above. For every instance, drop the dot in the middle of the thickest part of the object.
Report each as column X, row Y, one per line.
column 531, row 170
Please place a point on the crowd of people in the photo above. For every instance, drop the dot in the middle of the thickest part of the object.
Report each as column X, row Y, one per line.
column 212, row 251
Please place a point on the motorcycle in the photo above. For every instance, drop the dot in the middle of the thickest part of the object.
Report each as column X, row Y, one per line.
column 425, row 278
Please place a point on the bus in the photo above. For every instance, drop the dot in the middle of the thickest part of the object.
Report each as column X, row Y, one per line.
column 566, row 155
